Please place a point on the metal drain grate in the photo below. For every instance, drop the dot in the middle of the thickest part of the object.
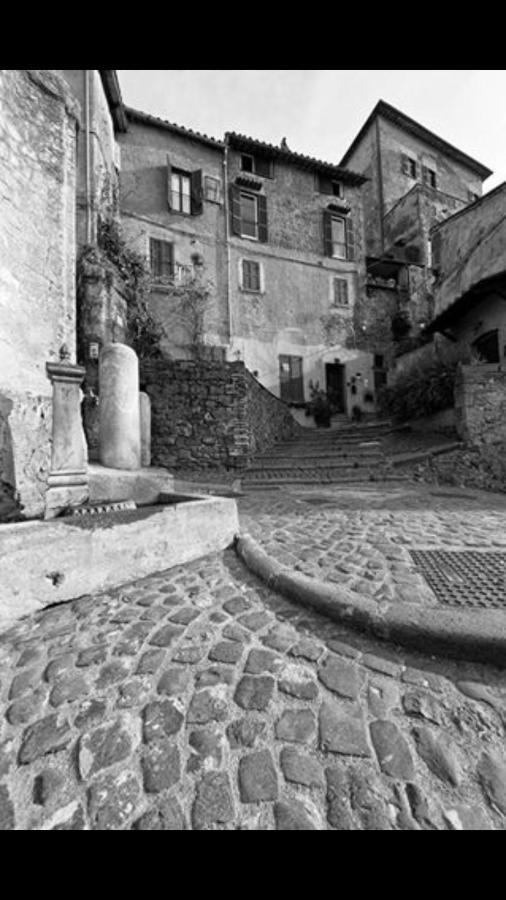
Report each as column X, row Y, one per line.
column 464, row 578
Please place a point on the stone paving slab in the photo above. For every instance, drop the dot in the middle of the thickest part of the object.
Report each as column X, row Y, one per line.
column 199, row 699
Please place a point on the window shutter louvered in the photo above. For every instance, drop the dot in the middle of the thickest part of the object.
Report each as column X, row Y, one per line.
column 235, row 209
column 196, row 193
column 327, row 233
column 169, row 183
column 350, row 240
column 167, row 261
column 262, row 218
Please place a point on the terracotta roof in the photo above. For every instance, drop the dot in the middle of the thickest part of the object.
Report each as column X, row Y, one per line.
column 399, row 118
column 136, row 115
column 242, row 142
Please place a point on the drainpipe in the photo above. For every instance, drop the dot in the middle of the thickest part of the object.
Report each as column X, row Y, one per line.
column 87, row 154
column 380, row 185
column 227, row 243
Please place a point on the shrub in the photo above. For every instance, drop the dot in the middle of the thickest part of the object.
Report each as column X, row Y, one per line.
column 426, row 388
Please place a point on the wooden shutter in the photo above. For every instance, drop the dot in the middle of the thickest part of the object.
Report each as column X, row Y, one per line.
column 196, row 193
column 169, row 183
column 155, row 261
column 167, row 258
column 327, row 233
column 235, row 209
column 262, row 218
column 263, row 167
column 350, row 239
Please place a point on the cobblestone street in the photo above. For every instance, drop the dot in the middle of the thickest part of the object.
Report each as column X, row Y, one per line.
column 199, row 699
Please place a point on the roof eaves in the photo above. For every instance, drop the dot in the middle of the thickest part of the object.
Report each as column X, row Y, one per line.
column 244, row 142
column 136, row 115
column 112, row 91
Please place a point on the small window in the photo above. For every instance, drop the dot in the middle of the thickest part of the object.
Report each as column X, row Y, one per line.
column 181, row 191
column 338, row 238
column 161, row 258
column 257, row 165
column 247, row 163
column 472, row 197
column 249, row 215
column 250, row 275
column 429, row 177
column 325, row 185
column 378, row 360
column 212, row 189
column 409, row 166
column 487, row 346
column 341, row 297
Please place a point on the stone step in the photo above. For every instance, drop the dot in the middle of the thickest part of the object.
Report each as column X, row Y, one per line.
column 352, row 479
column 325, row 463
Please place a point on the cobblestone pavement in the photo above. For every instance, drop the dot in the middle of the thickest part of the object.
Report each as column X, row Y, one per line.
column 198, row 699
column 361, row 536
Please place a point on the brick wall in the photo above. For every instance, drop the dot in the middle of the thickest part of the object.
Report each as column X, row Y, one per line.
column 480, row 404
column 210, row 415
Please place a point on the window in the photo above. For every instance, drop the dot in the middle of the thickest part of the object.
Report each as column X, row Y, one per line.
column 257, row 165
column 429, row 176
column 250, row 275
column 326, row 185
column 290, row 379
column 338, row 236
column 212, row 189
column 181, row 192
column 379, row 359
column 409, row 165
column 184, row 191
column 340, row 292
column 248, row 213
column 161, row 258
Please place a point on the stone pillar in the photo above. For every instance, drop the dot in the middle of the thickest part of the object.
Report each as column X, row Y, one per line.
column 68, row 478
column 120, row 438
column 145, row 414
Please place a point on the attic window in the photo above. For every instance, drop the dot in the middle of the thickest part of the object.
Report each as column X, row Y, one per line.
column 409, row 166
column 326, row 185
column 257, row 165
column 429, row 176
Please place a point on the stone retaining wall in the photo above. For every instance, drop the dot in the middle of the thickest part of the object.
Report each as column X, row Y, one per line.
column 480, row 404
column 210, row 414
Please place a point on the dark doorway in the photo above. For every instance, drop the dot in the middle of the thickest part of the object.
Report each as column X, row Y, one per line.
column 290, row 379
column 334, row 373
column 488, row 347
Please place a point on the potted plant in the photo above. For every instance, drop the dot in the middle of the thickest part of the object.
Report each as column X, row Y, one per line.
column 319, row 406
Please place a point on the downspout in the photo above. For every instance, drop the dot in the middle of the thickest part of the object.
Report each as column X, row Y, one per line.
column 227, row 243
column 87, row 154
column 380, row 186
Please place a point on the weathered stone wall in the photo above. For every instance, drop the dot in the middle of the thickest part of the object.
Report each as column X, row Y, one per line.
column 38, row 117
column 210, row 415
column 480, row 404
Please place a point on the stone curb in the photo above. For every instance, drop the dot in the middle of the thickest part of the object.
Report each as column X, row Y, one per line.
column 478, row 636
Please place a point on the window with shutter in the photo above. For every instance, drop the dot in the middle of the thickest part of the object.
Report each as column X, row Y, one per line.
column 350, row 239
column 262, row 218
column 263, row 167
column 250, row 275
column 249, row 216
column 197, row 205
column 169, row 183
column 161, row 259
column 341, row 292
column 180, row 191
column 327, row 233
column 235, row 209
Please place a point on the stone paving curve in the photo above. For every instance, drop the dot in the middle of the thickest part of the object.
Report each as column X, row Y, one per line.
column 360, row 536
column 199, row 699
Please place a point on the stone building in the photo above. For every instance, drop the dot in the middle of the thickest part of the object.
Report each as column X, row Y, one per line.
column 277, row 239
column 415, row 180
column 469, row 263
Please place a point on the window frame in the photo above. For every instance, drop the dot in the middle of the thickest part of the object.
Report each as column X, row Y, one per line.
column 181, row 174
column 242, row 281
column 336, row 304
column 286, row 395
column 336, row 218
column 216, row 181
column 250, row 196
column 161, row 278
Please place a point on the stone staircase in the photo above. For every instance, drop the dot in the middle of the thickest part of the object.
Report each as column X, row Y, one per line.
column 346, row 453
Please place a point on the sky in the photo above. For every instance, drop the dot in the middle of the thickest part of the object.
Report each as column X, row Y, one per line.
column 319, row 111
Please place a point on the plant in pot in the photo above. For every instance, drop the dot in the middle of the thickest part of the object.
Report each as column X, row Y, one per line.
column 319, row 406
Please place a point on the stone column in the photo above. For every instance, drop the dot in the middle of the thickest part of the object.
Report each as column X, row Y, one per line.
column 120, row 438
column 145, row 414
column 68, row 478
